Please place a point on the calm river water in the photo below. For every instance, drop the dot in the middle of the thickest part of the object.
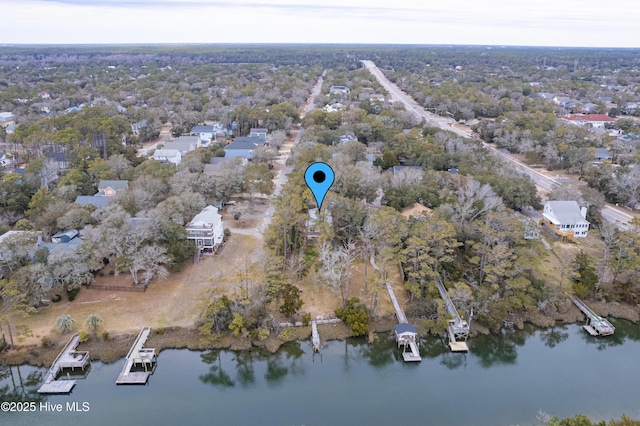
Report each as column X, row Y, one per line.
column 503, row 380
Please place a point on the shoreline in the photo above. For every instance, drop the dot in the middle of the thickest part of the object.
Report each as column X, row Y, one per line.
column 118, row 346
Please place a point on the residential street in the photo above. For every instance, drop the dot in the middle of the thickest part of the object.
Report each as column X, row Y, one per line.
column 611, row 213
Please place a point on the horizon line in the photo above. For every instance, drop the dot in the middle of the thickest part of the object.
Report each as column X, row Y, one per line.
column 501, row 46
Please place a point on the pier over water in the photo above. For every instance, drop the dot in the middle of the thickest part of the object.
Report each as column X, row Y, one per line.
column 141, row 357
column 68, row 358
column 596, row 325
column 406, row 334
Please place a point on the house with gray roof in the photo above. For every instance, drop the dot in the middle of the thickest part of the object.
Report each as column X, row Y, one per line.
column 206, row 133
column 168, row 156
column 97, row 202
column 109, row 188
column 259, row 132
column 258, row 140
column 567, row 216
column 6, row 118
column 602, row 154
column 136, row 127
column 242, row 149
column 184, row 144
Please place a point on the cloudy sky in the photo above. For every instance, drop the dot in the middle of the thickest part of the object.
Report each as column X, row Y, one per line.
column 611, row 23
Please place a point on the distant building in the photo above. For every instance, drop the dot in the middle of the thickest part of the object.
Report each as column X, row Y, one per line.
column 347, row 138
column 169, row 156
column 258, row 132
column 593, row 120
column 206, row 230
column 64, row 236
column 97, row 202
column 242, row 149
column 206, row 133
column 602, row 154
column 184, row 144
column 6, row 118
column 339, row 90
column 136, row 127
column 4, row 160
column 109, row 188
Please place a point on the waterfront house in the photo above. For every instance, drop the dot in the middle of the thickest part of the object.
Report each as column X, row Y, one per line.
column 567, row 216
column 206, row 230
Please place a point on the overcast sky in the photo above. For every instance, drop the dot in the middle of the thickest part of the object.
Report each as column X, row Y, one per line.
column 591, row 23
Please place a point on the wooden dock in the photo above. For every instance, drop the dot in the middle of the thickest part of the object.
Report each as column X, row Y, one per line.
column 68, row 358
column 596, row 325
column 315, row 337
column 457, row 329
column 140, row 357
column 406, row 334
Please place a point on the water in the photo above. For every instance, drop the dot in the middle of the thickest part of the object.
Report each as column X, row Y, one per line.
column 503, row 380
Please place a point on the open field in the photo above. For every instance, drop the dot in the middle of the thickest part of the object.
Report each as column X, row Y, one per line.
column 170, row 302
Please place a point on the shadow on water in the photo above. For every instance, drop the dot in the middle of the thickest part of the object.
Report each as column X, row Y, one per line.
column 625, row 330
column 553, row 336
column 380, row 352
column 500, row 349
column 216, row 376
column 276, row 366
column 21, row 389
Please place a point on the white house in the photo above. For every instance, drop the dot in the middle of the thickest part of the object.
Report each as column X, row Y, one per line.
column 206, row 133
column 170, row 156
column 567, row 216
column 4, row 160
column 206, row 230
column 6, row 118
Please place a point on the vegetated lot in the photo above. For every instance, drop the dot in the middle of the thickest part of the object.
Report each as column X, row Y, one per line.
column 170, row 302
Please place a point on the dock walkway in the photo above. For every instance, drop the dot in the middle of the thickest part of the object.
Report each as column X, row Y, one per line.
column 315, row 336
column 406, row 334
column 138, row 356
column 67, row 358
column 458, row 329
column 596, row 325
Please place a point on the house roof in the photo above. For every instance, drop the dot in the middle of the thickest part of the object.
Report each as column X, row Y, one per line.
column 257, row 139
column 6, row 116
column 202, row 129
column 258, row 130
column 602, row 153
column 208, row 218
column 166, row 153
column 589, row 117
column 405, row 328
column 83, row 200
column 113, row 184
column 566, row 212
column 72, row 233
column 396, row 169
column 241, row 145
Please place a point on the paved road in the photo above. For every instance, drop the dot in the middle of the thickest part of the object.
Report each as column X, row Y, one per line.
column 609, row 212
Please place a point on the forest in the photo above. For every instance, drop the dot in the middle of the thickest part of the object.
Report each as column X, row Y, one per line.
column 80, row 102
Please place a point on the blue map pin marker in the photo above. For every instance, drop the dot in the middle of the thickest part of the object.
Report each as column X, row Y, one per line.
column 319, row 178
